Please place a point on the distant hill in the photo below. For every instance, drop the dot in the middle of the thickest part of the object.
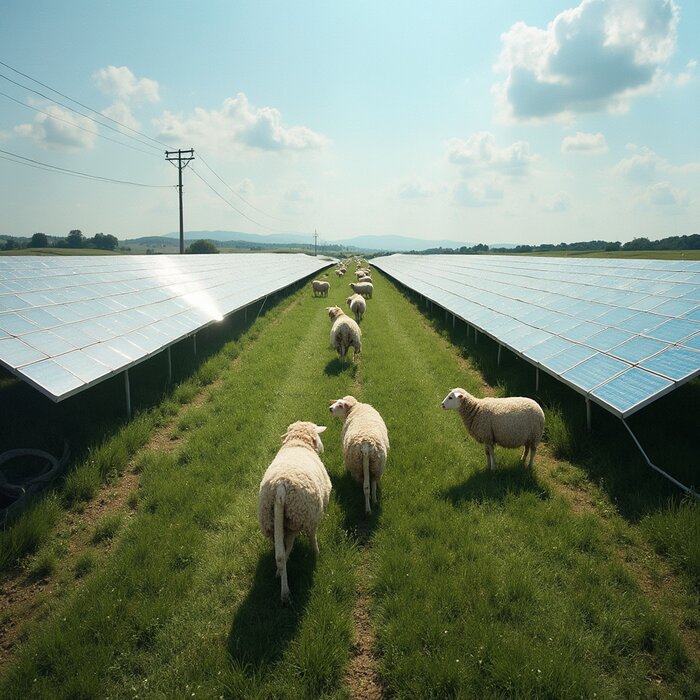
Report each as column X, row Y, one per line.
column 364, row 242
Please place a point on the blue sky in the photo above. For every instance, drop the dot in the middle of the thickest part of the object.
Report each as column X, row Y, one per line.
column 518, row 122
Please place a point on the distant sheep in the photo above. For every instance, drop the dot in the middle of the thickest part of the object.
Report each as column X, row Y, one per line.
column 321, row 287
column 294, row 494
column 365, row 289
column 510, row 422
column 340, row 272
column 345, row 333
column 357, row 305
column 365, row 444
column 361, row 272
column 364, row 278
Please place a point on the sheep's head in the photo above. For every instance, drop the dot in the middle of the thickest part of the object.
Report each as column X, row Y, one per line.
column 341, row 407
column 334, row 312
column 349, row 300
column 307, row 432
column 454, row 399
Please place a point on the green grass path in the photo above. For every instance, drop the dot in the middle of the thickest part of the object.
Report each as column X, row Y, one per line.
column 480, row 584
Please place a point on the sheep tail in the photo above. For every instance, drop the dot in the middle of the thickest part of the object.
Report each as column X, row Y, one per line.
column 365, row 448
column 280, row 499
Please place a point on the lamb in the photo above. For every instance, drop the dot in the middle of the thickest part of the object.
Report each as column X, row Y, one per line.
column 365, row 444
column 357, row 305
column 515, row 421
column 344, row 332
column 294, row 494
column 321, row 287
column 365, row 289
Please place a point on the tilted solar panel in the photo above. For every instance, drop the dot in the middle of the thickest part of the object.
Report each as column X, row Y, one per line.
column 622, row 332
column 68, row 322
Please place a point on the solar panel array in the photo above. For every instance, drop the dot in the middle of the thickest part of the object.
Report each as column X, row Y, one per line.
column 622, row 332
column 66, row 323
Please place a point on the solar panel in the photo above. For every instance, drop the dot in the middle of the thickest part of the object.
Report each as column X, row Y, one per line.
column 620, row 331
column 69, row 322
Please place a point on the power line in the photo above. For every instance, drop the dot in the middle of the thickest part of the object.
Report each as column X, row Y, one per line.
column 87, row 116
column 84, row 106
column 77, row 126
column 252, row 206
column 22, row 160
column 220, row 196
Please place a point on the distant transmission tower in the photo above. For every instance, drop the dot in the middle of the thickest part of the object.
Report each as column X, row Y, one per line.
column 315, row 241
column 181, row 159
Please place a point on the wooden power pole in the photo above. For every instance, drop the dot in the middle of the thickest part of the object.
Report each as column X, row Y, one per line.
column 181, row 160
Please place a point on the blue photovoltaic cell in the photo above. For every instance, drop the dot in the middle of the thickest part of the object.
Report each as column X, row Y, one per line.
column 638, row 349
column 675, row 363
column 630, row 389
column 594, row 371
column 604, row 316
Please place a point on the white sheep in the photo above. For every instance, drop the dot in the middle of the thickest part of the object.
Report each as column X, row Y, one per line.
column 294, row 494
column 515, row 421
column 364, row 278
column 361, row 272
column 340, row 272
column 321, row 287
column 365, row 443
column 357, row 305
column 365, row 289
column 344, row 332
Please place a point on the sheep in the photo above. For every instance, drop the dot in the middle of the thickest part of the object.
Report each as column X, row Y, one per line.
column 321, row 287
column 365, row 289
column 361, row 272
column 344, row 332
column 294, row 494
column 365, row 444
column 357, row 305
column 510, row 422
column 364, row 278
column 340, row 272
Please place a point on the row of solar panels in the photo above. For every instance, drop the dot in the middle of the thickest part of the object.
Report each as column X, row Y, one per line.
column 622, row 332
column 67, row 323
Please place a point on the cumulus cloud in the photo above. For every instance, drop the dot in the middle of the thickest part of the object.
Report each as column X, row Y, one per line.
column 590, row 58
column 482, row 194
column 121, row 84
column 559, row 204
column 414, row 190
column 662, row 194
column 645, row 166
column 585, row 144
column 237, row 124
column 481, row 153
column 59, row 129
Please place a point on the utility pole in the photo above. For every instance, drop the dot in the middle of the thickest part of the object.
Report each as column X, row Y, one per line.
column 315, row 241
column 181, row 159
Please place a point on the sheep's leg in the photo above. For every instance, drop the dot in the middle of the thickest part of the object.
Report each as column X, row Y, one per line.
column 525, row 454
column 280, row 540
column 532, row 456
column 491, row 456
column 314, row 541
column 289, row 538
column 488, row 457
column 374, row 491
column 365, row 472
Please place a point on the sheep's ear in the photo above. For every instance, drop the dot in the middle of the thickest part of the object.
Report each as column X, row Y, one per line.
column 320, row 429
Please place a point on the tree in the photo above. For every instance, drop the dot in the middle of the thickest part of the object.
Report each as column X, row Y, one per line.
column 202, row 246
column 104, row 242
column 75, row 239
column 39, row 240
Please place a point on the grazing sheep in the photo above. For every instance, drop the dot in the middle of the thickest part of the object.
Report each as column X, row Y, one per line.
column 364, row 278
column 357, row 305
column 511, row 422
column 344, row 332
column 340, row 272
column 361, row 272
column 365, row 289
column 294, row 494
column 365, row 443
column 321, row 287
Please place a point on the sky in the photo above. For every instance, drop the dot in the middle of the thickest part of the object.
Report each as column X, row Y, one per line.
column 517, row 122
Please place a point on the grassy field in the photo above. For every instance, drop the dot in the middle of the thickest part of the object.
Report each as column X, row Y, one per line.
column 145, row 574
column 634, row 254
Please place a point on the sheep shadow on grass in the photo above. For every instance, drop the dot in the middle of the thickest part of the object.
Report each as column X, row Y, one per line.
column 337, row 366
column 262, row 627
column 350, row 496
column 495, row 486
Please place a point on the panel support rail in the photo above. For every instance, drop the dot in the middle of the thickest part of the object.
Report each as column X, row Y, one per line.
column 690, row 491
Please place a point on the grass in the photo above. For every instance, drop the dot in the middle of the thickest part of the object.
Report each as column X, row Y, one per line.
column 480, row 584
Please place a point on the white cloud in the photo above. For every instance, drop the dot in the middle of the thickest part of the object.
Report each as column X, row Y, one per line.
column 662, row 194
column 586, row 144
column 557, row 205
column 590, row 58
column 122, row 84
column 482, row 194
column 414, row 190
column 645, row 166
column 481, row 153
column 238, row 125
column 58, row 129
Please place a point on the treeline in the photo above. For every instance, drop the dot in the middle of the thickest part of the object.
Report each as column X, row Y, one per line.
column 74, row 239
column 691, row 242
